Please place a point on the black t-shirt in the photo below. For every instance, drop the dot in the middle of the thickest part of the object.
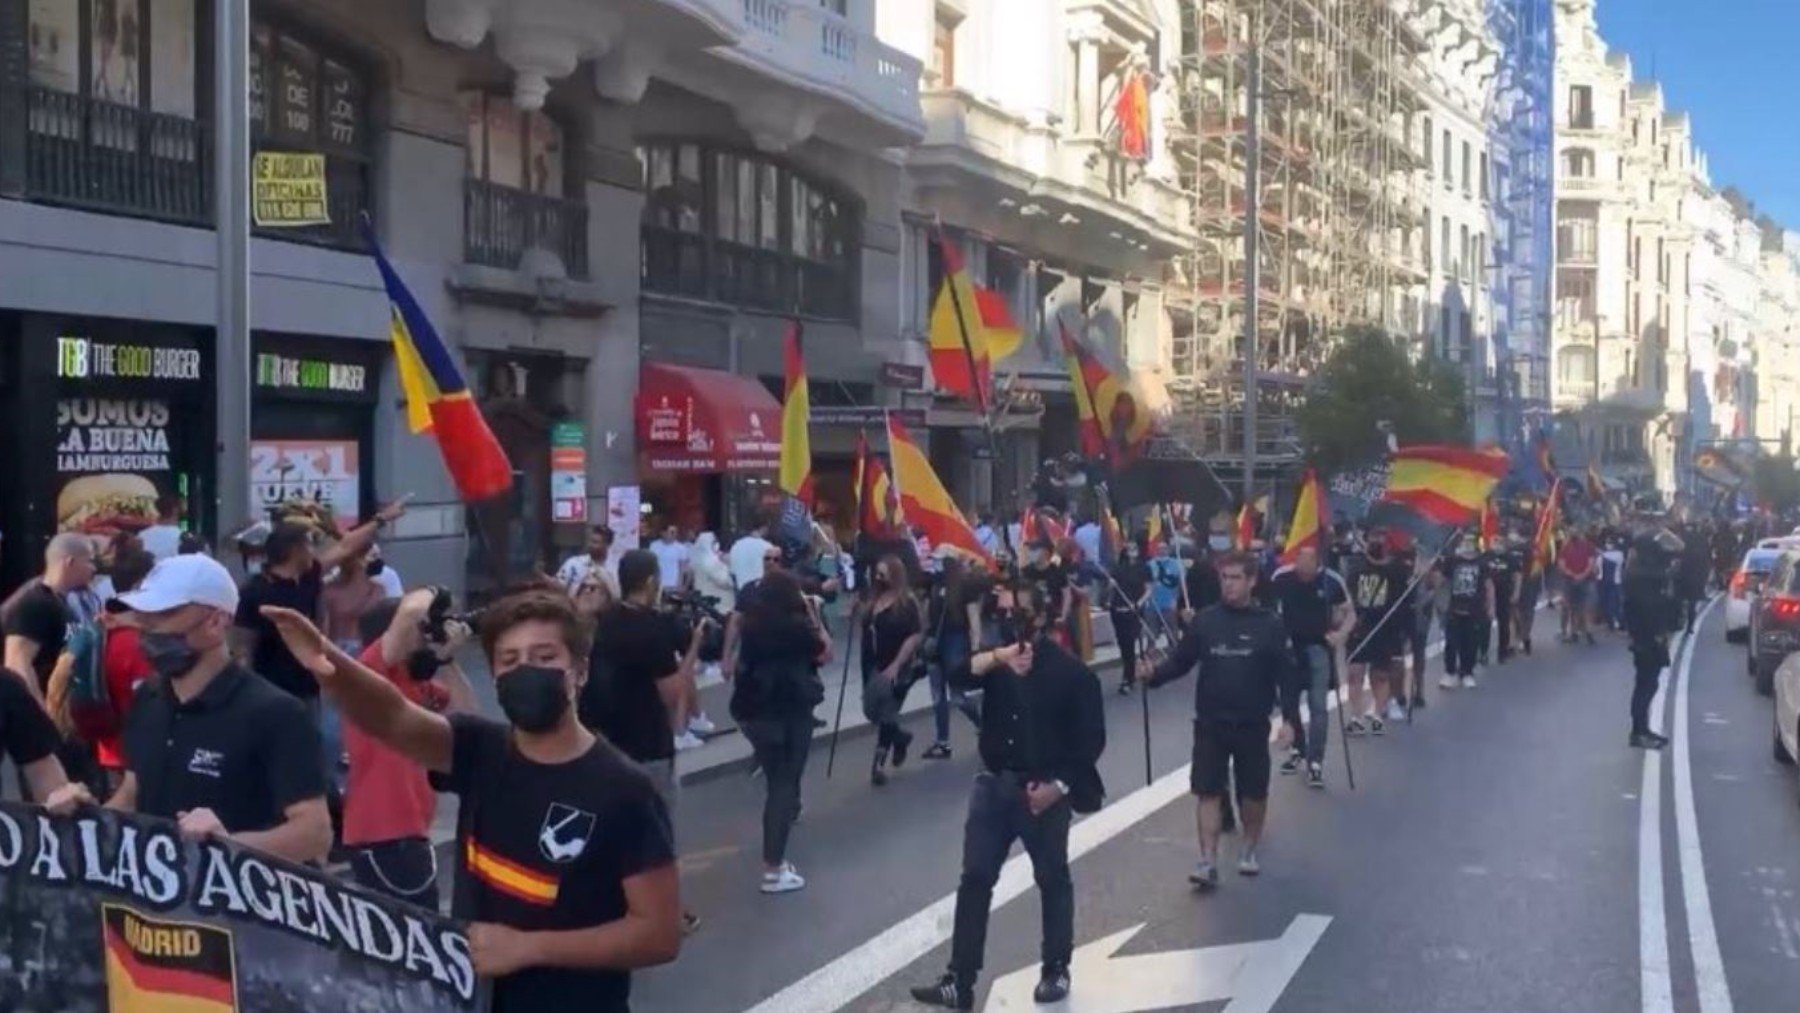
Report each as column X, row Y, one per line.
column 40, row 615
column 548, row 847
column 272, row 660
column 242, row 748
column 1503, row 570
column 884, row 633
column 1133, row 579
column 1306, row 605
column 1375, row 588
column 1202, row 585
column 634, row 649
column 26, row 732
column 1467, row 580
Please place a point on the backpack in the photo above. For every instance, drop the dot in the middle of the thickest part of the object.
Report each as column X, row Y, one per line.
column 78, row 697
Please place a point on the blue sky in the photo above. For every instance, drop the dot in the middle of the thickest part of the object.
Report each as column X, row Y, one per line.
column 1733, row 66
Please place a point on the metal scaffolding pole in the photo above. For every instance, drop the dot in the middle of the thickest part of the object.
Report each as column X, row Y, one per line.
column 1252, row 247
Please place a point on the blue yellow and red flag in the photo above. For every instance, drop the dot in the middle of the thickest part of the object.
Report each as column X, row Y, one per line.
column 795, row 475
column 437, row 399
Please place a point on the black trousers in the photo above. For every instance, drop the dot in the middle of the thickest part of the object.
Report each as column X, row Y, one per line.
column 998, row 816
column 1648, row 665
column 1462, row 641
column 781, row 746
column 1126, row 628
column 1504, row 620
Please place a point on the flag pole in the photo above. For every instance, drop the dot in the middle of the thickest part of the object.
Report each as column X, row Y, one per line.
column 837, row 723
column 981, row 393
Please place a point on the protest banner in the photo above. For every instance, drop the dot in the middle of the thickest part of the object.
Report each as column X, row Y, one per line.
column 106, row 912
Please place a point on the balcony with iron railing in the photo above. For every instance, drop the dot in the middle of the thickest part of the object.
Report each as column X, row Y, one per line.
column 690, row 265
column 823, row 51
column 502, row 224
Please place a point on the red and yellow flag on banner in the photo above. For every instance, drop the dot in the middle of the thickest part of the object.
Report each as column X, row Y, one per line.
column 1444, row 485
column 876, row 504
column 437, row 399
column 923, row 498
column 1490, row 527
column 1543, row 542
column 145, row 973
column 796, row 412
column 960, row 360
column 1114, row 425
column 1003, row 332
column 1307, row 529
column 1244, row 532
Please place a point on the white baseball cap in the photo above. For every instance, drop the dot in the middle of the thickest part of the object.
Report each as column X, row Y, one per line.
column 184, row 580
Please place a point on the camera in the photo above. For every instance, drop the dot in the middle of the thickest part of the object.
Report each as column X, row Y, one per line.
column 440, row 614
column 689, row 609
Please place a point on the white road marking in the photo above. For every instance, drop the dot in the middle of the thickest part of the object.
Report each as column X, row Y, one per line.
column 1653, row 926
column 836, row 984
column 1252, row 975
column 1703, row 938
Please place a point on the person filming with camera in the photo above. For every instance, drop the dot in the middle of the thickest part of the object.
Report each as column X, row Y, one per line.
column 388, row 800
column 1043, row 728
column 566, row 866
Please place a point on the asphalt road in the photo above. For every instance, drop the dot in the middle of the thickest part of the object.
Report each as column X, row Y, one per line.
column 1489, row 859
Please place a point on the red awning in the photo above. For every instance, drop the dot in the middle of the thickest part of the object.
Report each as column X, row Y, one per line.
column 701, row 421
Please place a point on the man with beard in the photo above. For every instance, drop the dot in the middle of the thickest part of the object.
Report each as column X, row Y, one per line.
column 1378, row 586
column 1042, row 731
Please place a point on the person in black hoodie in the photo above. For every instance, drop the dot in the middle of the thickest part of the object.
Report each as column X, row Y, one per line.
column 1243, row 655
column 1043, row 728
column 1652, row 614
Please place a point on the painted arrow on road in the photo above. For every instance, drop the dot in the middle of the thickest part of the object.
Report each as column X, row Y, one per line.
column 1251, row 975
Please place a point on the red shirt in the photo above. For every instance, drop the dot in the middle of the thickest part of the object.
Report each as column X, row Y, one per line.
column 1577, row 557
column 387, row 796
column 125, row 667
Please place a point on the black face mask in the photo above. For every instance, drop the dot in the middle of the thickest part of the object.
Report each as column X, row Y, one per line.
column 533, row 697
column 169, row 654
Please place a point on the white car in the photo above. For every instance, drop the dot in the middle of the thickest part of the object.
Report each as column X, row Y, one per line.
column 1787, row 710
column 1780, row 542
column 1746, row 581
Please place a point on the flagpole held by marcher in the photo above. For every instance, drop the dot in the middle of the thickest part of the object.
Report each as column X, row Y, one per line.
column 837, row 723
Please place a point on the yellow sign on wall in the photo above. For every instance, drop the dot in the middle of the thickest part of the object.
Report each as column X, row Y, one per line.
column 288, row 190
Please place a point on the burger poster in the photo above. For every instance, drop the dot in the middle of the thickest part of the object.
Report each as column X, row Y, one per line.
column 325, row 472
column 113, row 459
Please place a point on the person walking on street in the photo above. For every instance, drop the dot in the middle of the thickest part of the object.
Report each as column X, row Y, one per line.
column 1127, row 597
column 1505, row 576
column 1531, row 588
column 954, row 619
column 1471, row 603
column 775, row 687
column 1243, row 657
column 1043, row 728
column 1579, row 564
column 891, row 632
column 1315, row 608
column 1378, row 585
column 1652, row 614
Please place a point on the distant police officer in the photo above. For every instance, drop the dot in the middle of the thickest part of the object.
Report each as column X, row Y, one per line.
column 1243, row 656
column 1652, row 615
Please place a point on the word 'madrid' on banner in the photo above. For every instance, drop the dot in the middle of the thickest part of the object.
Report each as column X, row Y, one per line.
column 106, row 913
column 288, row 190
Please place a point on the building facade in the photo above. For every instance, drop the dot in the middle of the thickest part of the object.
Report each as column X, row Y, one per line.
column 576, row 193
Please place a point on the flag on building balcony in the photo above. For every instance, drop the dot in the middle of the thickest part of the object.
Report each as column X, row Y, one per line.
column 1132, row 110
column 1433, row 490
column 1543, row 541
column 1308, row 526
column 924, row 500
column 437, row 399
column 1114, row 425
column 961, row 362
column 795, row 476
column 876, row 503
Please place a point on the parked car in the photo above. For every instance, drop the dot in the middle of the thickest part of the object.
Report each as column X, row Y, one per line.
column 1746, row 582
column 1787, row 710
column 1774, row 630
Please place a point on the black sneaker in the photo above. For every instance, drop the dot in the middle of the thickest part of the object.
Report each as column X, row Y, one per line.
column 1648, row 740
column 1355, row 728
column 1315, row 776
column 938, row 751
column 901, row 745
column 1053, row 986
column 946, row 992
column 1377, row 726
column 1292, row 764
column 1418, row 703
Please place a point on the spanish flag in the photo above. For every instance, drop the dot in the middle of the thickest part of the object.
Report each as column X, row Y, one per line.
column 1444, row 485
column 1308, row 526
column 1490, row 527
column 875, row 500
column 1003, row 333
column 1543, row 542
column 437, row 400
column 1245, row 532
column 960, row 360
column 1153, row 532
column 157, row 966
column 1114, row 425
column 1132, row 109
column 1546, row 461
column 796, row 413
column 924, row 499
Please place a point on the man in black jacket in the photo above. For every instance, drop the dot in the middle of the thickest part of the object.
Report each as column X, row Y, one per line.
column 1043, row 729
column 1243, row 656
column 1652, row 614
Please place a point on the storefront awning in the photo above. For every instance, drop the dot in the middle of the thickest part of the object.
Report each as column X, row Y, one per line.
column 703, row 421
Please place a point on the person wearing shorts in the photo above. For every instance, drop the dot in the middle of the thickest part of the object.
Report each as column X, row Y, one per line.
column 1243, row 656
column 1378, row 583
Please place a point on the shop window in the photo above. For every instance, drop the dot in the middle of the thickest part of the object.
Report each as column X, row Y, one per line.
column 110, row 96
column 514, row 197
column 745, row 230
column 310, row 98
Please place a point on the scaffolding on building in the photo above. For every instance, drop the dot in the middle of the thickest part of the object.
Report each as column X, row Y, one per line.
column 1338, row 224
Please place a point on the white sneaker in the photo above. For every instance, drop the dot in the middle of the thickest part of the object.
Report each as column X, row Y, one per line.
column 783, row 880
column 1468, row 682
column 1447, row 682
column 1395, row 712
column 701, row 725
column 711, row 670
column 688, row 740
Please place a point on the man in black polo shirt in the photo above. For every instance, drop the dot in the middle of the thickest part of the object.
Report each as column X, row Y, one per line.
column 208, row 743
column 565, row 862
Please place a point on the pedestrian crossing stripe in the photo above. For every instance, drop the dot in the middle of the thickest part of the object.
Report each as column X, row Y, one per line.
column 509, row 877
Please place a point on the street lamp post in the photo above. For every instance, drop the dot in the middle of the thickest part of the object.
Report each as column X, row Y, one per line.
column 231, row 373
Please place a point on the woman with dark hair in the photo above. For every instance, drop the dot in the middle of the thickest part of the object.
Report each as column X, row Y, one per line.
column 891, row 631
column 781, row 644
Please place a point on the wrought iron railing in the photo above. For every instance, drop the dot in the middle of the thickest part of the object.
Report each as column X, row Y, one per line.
column 695, row 266
column 501, row 224
column 92, row 154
